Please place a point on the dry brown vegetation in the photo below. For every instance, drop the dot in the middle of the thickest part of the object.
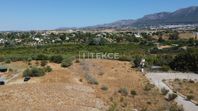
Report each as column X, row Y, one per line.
column 186, row 35
column 188, row 88
column 68, row 89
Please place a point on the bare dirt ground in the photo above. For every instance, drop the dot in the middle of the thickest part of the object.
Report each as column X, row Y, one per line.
column 67, row 89
column 186, row 35
column 49, row 97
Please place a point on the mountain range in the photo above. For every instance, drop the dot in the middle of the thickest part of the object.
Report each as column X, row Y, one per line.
column 182, row 16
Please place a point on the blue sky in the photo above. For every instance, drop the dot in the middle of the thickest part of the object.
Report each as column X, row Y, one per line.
column 50, row 14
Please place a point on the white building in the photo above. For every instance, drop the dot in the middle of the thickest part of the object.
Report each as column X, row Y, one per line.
column 138, row 35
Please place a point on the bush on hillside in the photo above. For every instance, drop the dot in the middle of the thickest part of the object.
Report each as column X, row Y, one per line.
column 34, row 72
column 187, row 61
column 124, row 58
column 174, row 35
column 7, row 61
column 66, row 63
column 165, row 68
column 189, row 97
column 47, row 69
column 172, row 97
column 42, row 57
column 97, row 41
column 104, row 87
column 123, row 91
column 137, row 61
column 43, row 63
column 176, row 107
column 164, row 91
column 56, row 59
column 148, row 87
column 133, row 93
column 91, row 80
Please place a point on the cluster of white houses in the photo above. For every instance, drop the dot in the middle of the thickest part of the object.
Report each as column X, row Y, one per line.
column 45, row 36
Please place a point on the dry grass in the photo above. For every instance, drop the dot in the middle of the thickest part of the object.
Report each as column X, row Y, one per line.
column 49, row 97
column 186, row 35
column 186, row 87
column 67, row 88
column 117, row 75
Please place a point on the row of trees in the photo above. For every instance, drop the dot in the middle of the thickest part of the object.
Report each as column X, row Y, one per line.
column 185, row 61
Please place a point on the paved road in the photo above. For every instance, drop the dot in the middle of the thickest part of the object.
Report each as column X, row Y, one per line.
column 156, row 78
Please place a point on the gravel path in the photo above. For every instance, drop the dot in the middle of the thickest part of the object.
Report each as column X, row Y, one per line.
column 156, row 78
column 14, row 77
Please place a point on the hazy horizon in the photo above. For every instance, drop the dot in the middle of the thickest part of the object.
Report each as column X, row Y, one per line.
column 50, row 14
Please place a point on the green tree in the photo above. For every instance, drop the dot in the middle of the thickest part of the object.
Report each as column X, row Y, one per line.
column 56, row 59
column 174, row 35
column 186, row 61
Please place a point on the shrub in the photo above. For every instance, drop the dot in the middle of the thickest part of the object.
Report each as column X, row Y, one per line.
column 164, row 91
column 56, row 59
column 148, row 87
column 18, row 58
column 124, row 58
column 104, row 87
column 191, row 81
column 97, row 41
column 41, row 57
column 133, row 93
column 2, row 59
column 48, row 69
column 123, row 91
column 77, row 61
column 66, row 63
column 10, row 70
column 29, row 63
column 34, row 72
column 174, row 35
column 113, row 107
column 7, row 61
column 171, row 96
column 29, row 59
column 37, row 63
column 137, row 61
column 81, row 80
column 175, row 107
column 90, row 79
column 27, row 72
column 165, row 68
column 189, row 97
column 43, row 63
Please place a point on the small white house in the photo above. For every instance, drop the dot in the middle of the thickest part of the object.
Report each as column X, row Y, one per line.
column 2, row 41
column 138, row 35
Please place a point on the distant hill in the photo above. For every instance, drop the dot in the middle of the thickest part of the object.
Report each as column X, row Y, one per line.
column 117, row 24
column 182, row 16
